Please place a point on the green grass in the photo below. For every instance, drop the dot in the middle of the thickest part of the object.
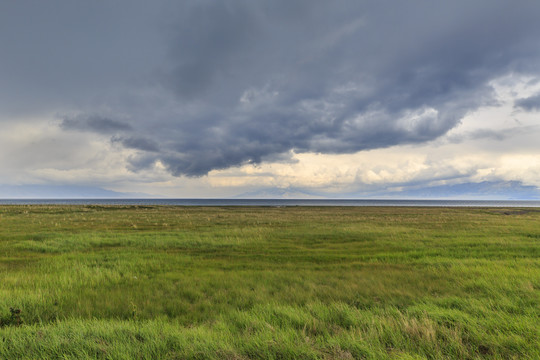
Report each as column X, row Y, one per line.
column 151, row 282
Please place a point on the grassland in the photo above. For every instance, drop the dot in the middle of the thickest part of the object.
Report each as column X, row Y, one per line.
column 111, row 282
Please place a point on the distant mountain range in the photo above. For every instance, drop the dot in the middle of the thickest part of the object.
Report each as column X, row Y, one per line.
column 62, row 192
column 486, row 190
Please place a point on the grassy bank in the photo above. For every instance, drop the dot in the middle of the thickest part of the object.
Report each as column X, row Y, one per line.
column 234, row 282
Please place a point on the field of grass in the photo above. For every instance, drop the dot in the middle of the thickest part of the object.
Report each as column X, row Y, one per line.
column 155, row 282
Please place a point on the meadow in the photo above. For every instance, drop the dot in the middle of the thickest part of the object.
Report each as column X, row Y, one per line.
column 158, row 282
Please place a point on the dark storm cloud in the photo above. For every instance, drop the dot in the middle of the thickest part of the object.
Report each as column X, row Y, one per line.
column 531, row 103
column 209, row 85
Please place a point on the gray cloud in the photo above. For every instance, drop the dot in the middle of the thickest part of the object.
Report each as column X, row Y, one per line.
column 497, row 135
column 136, row 143
column 94, row 123
column 531, row 103
column 63, row 56
column 210, row 85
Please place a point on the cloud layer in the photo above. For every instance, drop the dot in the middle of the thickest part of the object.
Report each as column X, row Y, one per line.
column 196, row 86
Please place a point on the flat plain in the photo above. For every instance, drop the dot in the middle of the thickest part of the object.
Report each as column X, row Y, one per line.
column 158, row 282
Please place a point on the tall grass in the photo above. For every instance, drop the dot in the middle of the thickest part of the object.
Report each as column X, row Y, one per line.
column 298, row 282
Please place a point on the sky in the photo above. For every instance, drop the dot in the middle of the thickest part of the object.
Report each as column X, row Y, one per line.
column 201, row 98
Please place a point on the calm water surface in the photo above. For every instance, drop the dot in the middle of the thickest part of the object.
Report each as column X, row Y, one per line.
column 276, row 202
